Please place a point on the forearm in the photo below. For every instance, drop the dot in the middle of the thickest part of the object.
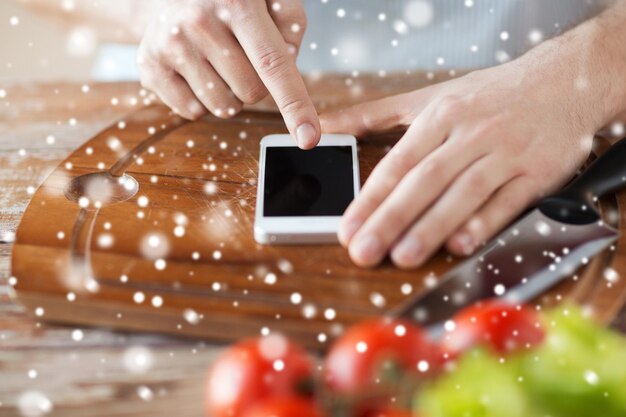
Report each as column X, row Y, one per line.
column 611, row 42
column 120, row 21
column 615, row 28
column 587, row 65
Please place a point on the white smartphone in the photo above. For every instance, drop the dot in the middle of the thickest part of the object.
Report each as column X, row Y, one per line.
column 302, row 195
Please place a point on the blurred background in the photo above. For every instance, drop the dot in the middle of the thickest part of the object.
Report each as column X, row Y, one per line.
column 34, row 48
column 62, row 44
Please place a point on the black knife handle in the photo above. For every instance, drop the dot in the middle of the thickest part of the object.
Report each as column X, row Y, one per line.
column 575, row 204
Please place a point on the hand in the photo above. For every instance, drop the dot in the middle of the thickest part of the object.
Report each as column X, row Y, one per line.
column 215, row 55
column 478, row 150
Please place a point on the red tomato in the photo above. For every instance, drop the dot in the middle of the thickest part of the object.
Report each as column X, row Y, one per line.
column 254, row 370
column 374, row 351
column 284, row 407
column 503, row 327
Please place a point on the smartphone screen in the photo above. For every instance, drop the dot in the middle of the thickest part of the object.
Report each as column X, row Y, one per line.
column 316, row 182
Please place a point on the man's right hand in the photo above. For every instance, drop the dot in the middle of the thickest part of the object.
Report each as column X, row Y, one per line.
column 215, row 55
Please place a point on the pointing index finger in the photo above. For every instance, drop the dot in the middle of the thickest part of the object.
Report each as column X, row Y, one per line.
column 265, row 47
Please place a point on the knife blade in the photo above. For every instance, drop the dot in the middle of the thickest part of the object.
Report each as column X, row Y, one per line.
column 539, row 250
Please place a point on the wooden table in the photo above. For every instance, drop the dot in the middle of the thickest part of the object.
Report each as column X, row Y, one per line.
column 94, row 372
column 85, row 372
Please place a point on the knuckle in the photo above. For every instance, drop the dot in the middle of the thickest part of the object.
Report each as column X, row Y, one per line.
column 272, row 62
column 371, row 120
column 148, row 57
column 146, row 81
column 173, row 47
column 148, row 77
column 367, row 119
column 488, row 127
column 293, row 105
column 477, row 181
column 404, row 115
column 447, row 107
column 386, row 174
column 494, row 129
column 399, row 161
column 432, row 168
column 196, row 17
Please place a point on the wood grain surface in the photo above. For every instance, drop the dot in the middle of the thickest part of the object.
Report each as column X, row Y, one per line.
column 84, row 371
column 128, row 264
column 89, row 377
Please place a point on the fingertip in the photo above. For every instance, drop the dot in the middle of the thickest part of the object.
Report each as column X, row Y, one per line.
column 307, row 136
column 366, row 251
column 461, row 244
column 192, row 111
column 347, row 229
column 453, row 247
column 404, row 264
column 362, row 262
column 232, row 111
column 308, row 145
column 188, row 115
column 227, row 112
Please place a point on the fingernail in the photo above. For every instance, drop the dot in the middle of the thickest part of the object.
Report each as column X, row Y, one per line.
column 366, row 248
column 348, row 230
column 305, row 135
column 466, row 243
column 408, row 251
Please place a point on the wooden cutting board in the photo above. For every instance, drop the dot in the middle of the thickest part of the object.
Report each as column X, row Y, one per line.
column 148, row 226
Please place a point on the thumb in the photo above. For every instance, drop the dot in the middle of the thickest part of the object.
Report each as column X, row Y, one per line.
column 377, row 115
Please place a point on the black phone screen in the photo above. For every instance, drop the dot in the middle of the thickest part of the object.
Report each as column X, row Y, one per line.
column 316, row 182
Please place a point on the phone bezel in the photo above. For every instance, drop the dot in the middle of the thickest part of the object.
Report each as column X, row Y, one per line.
column 299, row 229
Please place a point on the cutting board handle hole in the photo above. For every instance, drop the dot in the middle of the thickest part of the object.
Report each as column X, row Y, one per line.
column 100, row 189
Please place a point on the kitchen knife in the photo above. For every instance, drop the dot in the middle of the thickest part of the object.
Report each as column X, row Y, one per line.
column 543, row 247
